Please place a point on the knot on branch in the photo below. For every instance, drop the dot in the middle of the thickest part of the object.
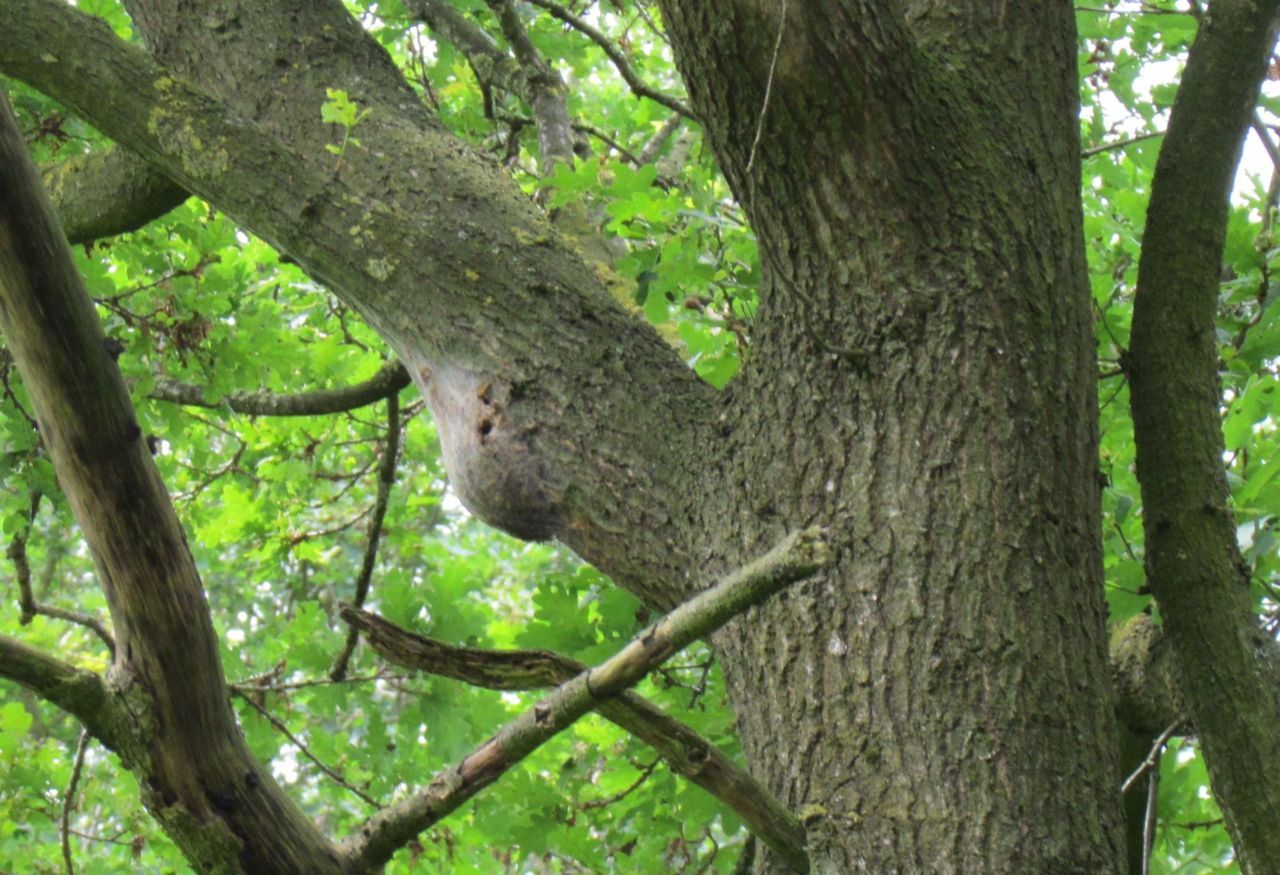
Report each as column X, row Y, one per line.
column 486, row 448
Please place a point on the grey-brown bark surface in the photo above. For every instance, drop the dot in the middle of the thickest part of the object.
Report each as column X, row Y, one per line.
column 1229, row 668
column 103, row 193
column 437, row 248
column 921, row 378
column 182, row 741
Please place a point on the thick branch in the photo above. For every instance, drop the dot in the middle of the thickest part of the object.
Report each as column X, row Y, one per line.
column 797, row 557
column 1226, row 666
column 79, row 692
column 100, row 194
column 389, row 380
column 164, row 635
column 452, row 264
column 685, row 751
column 653, row 148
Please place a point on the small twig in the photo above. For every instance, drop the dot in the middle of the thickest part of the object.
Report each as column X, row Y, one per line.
column 89, row 837
column 711, row 858
column 386, row 478
column 1149, row 819
column 1145, row 9
column 261, row 683
column 68, row 801
column 623, row 793
column 1153, row 757
column 29, row 607
column 1118, row 144
column 1106, row 326
column 517, row 123
column 1128, row 548
column 6, row 363
column 164, row 279
column 609, row 141
column 1119, row 386
column 333, row 773
column 747, row 859
column 1264, row 134
column 615, row 55
column 91, row 623
column 295, row 538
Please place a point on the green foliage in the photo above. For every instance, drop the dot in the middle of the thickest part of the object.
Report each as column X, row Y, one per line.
column 1190, row 836
column 341, row 110
column 277, row 508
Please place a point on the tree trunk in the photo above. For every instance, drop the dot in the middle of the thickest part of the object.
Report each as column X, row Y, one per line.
column 922, row 381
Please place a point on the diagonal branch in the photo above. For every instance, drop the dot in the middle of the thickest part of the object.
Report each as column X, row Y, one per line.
column 283, row 728
column 487, row 59
column 798, row 556
column 79, row 692
column 453, row 265
column 390, row 379
column 1227, row 667
column 685, row 751
column 1118, row 144
column 617, row 57
column 167, row 653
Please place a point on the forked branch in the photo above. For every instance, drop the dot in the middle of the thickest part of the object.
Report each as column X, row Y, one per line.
column 798, row 556
column 166, row 649
column 686, row 752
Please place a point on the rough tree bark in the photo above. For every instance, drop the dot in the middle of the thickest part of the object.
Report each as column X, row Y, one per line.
column 167, row 675
column 921, row 380
column 1228, row 668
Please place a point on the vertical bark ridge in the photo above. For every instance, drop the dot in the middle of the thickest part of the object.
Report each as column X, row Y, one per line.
column 923, row 384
